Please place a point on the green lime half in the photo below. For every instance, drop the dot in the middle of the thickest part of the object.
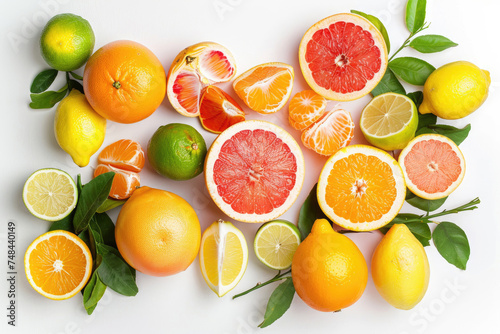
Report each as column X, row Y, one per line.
column 50, row 194
column 389, row 121
column 276, row 242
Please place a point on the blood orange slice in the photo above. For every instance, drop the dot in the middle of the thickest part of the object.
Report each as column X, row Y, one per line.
column 193, row 69
column 218, row 110
column 433, row 166
column 254, row 171
column 343, row 57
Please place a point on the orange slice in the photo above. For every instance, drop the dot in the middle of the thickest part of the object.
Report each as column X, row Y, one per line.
column 218, row 110
column 305, row 108
column 265, row 88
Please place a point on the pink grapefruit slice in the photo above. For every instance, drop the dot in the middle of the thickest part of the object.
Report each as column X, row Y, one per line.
column 433, row 166
column 343, row 57
column 254, row 171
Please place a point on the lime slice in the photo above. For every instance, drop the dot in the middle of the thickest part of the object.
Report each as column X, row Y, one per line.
column 389, row 121
column 275, row 243
column 50, row 194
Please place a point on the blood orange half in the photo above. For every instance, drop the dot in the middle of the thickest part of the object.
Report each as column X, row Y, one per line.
column 343, row 57
column 433, row 166
column 254, row 171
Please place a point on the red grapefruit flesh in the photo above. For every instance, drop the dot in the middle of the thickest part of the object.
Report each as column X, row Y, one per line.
column 343, row 57
column 254, row 171
column 218, row 110
column 433, row 166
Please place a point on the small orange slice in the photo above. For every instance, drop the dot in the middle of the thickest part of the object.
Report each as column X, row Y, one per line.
column 124, row 183
column 218, row 110
column 305, row 108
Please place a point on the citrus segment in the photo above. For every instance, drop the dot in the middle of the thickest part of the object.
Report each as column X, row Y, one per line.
column 124, row 181
column 58, row 264
column 305, row 108
column 218, row 110
column 124, row 154
column 187, row 89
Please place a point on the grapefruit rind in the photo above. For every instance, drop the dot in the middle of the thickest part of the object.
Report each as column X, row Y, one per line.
column 213, row 154
column 412, row 186
column 384, row 157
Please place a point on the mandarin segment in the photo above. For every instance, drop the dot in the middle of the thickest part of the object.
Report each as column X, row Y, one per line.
column 124, row 154
column 305, row 108
column 124, row 182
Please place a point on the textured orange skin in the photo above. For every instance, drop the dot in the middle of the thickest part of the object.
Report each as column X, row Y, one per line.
column 141, row 77
column 329, row 272
column 158, row 232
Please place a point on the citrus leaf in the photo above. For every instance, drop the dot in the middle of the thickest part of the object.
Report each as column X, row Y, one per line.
column 404, row 218
column 93, row 292
column 86, row 238
column 115, row 272
column 279, row 302
column 451, row 242
column 389, row 83
column 412, row 70
column 455, row 134
column 73, row 84
column 106, row 228
column 309, row 212
column 43, row 80
column 47, row 99
column 421, row 231
column 426, row 205
column 424, row 120
column 431, row 43
column 109, row 204
column 378, row 24
column 63, row 224
column 76, row 76
column 417, row 97
column 415, row 15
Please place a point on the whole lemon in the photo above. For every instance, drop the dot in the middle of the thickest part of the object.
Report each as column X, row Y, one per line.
column 78, row 128
column 400, row 268
column 329, row 271
column 455, row 90
column 157, row 232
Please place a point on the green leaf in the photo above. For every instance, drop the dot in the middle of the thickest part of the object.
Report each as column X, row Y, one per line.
column 76, row 76
column 404, row 218
column 93, row 195
column 431, row 43
column 378, row 24
column 47, row 99
column 93, row 292
column 426, row 205
column 73, row 84
column 417, row 98
column 424, row 120
column 451, row 242
column 389, row 83
column 109, row 204
column 415, row 15
column 455, row 134
column 421, row 231
column 309, row 212
column 63, row 224
column 85, row 236
column 43, row 81
column 279, row 302
column 102, row 224
column 115, row 272
column 412, row 70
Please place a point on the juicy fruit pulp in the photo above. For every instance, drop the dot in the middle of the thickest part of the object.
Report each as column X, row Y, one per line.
column 218, row 110
column 305, row 108
column 254, row 171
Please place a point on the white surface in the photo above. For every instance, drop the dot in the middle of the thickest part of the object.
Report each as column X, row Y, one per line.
column 256, row 32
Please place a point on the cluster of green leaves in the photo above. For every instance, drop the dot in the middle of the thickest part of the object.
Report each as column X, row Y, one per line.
column 92, row 224
column 41, row 98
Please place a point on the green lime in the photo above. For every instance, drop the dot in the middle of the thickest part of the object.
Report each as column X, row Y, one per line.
column 177, row 151
column 276, row 242
column 389, row 121
column 67, row 42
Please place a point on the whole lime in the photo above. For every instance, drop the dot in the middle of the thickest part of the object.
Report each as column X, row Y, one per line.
column 67, row 42
column 177, row 151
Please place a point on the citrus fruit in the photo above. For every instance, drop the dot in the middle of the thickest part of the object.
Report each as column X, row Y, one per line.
column 67, row 42
column 194, row 68
column 58, row 264
column 78, row 128
column 254, row 171
column 125, row 182
column 124, row 81
column 157, row 232
column 218, row 110
column 455, row 90
column 331, row 132
column 361, row 188
column 177, row 151
column 329, row 271
column 400, row 268
column 389, row 121
column 275, row 243
column 223, row 256
column 265, row 88
column 433, row 166
column 305, row 108
column 50, row 194
column 343, row 57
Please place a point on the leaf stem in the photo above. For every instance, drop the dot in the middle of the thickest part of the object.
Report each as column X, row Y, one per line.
column 472, row 205
column 279, row 276
column 407, row 41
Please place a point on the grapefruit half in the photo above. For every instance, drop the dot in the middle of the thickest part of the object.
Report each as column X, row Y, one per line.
column 254, row 171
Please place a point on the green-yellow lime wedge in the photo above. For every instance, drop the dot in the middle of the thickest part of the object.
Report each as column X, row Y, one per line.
column 276, row 242
column 50, row 194
column 389, row 121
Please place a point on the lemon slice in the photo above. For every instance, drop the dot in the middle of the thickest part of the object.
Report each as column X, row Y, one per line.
column 389, row 121
column 223, row 256
column 275, row 243
column 50, row 194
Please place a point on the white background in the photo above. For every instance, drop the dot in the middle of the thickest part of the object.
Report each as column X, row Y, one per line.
column 256, row 32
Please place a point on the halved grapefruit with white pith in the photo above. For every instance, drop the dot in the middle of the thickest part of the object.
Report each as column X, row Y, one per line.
column 343, row 57
column 254, row 171
column 433, row 166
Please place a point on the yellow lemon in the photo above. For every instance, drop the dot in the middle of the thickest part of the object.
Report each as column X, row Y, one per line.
column 78, row 128
column 455, row 90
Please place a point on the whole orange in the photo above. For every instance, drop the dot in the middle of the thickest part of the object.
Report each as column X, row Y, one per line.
column 124, row 81
column 157, row 232
column 329, row 271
